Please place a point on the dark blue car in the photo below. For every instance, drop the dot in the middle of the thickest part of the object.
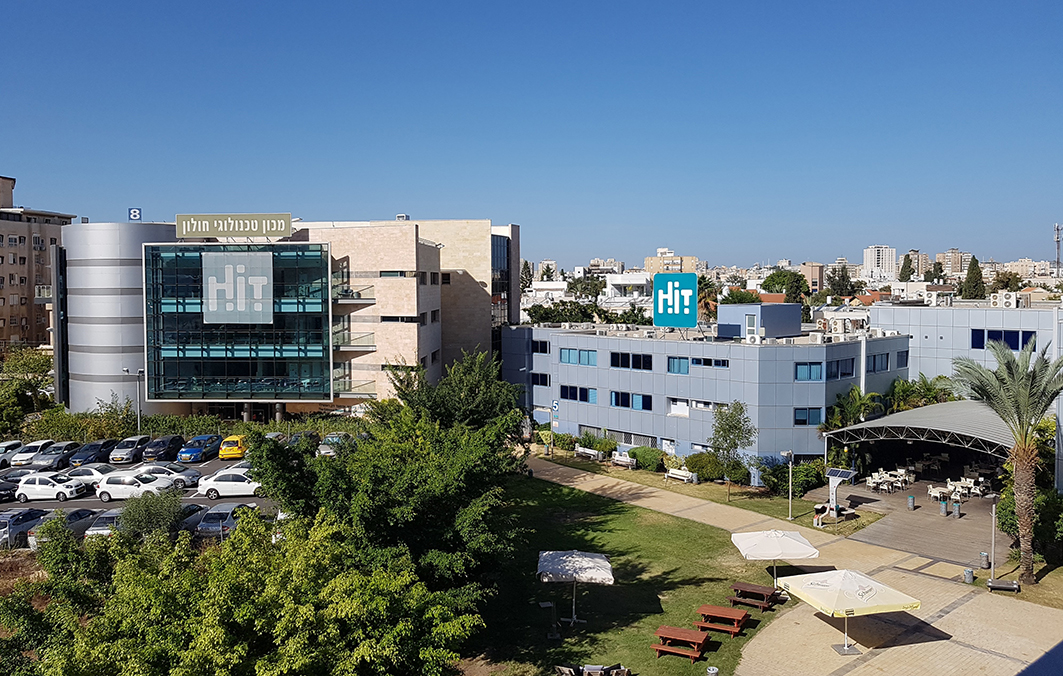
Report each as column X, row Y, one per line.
column 200, row 449
column 95, row 451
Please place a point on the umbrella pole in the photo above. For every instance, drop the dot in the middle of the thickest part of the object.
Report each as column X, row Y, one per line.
column 846, row 648
column 573, row 620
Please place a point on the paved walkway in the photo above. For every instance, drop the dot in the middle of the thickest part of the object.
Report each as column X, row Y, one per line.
column 959, row 629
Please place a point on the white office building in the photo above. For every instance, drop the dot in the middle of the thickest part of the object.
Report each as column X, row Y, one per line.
column 880, row 262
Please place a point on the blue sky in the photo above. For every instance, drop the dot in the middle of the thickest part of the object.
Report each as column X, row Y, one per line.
column 734, row 131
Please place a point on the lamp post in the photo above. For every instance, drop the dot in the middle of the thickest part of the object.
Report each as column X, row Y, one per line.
column 995, row 497
column 789, row 455
column 140, row 374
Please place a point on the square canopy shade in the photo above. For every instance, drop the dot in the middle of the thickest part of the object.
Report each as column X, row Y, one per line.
column 574, row 566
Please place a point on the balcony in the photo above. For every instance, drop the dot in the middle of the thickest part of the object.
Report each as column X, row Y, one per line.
column 361, row 389
column 344, row 292
column 346, row 340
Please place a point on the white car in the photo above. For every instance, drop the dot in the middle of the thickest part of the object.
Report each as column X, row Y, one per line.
column 122, row 485
column 26, row 453
column 228, row 484
column 49, row 486
column 92, row 473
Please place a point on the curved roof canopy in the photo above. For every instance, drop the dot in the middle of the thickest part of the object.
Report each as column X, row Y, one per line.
column 966, row 424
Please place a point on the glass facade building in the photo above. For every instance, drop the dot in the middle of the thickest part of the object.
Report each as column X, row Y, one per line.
column 237, row 322
column 500, row 276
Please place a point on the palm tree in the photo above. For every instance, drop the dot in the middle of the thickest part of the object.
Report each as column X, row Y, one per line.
column 707, row 293
column 1020, row 391
column 852, row 407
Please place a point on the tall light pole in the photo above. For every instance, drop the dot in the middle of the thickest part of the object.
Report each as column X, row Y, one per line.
column 789, row 455
column 995, row 497
column 140, row 374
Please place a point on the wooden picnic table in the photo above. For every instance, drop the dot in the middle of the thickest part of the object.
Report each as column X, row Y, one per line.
column 670, row 636
column 721, row 618
column 754, row 595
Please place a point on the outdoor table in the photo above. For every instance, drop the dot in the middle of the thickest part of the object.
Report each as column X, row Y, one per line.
column 687, row 637
column 722, row 618
column 757, row 591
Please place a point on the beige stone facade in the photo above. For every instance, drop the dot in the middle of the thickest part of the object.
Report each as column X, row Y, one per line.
column 669, row 262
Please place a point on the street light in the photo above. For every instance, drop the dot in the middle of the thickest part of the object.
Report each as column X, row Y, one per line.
column 140, row 374
column 995, row 497
column 789, row 455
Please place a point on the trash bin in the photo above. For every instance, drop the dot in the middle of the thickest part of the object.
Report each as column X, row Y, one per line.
column 911, row 503
column 985, row 559
column 956, row 509
column 968, row 576
column 944, row 508
column 530, row 473
column 712, row 671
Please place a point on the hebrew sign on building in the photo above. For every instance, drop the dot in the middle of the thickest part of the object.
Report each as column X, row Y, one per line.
column 233, row 225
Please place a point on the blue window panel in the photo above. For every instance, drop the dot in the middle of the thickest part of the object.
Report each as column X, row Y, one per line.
column 800, row 416
column 815, row 416
column 647, row 402
column 993, row 334
column 588, row 357
column 592, row 396
column 1011, row 339
column 680, row 365
column 636, row 402
column 1028, row 336
column 808, row 371
column 977, row 339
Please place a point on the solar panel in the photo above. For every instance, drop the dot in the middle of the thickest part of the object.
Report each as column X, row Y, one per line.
column 843, row 474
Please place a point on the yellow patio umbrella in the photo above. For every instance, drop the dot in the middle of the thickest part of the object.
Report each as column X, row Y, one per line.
column 846, row 593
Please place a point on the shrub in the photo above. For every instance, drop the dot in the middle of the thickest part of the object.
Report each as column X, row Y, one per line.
column 648, row 458
column 592, row 441
column 151, row 512
column 807, row 475
column 565, row 442
column 706, row 465
column 672, row 461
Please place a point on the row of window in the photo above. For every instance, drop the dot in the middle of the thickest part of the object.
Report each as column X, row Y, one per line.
column 1016, row 340
column 581, row 357
column 840, row 369
column 541, row 380
column 637, row 402
column 808, row 416
column 423, row 278
column 877, row 363
column 681, row 365
column 587, row 395
column 628, row 360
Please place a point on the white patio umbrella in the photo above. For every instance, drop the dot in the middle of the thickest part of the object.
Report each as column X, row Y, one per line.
column 847, row 593
column 574, row 566
column 774, row 544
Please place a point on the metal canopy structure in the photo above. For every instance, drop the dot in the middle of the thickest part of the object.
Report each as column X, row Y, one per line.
column 965, row 424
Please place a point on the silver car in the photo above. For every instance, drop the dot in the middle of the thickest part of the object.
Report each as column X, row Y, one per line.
column 24, row 456
column 92, row 474
column 130, row 449
column 15, row 525
column 181, row 475
column 8, row 450
column 104, row 523
column 77, row 520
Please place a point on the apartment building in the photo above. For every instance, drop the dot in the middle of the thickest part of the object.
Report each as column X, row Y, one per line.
column 667, row 261
column 954, row 261
column 815, row 275
column 880, row 262
column 920, row 263
column 26, row 236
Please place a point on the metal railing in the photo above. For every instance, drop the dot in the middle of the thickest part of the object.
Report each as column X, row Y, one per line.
column 343, row 290
column 365, row 388
column 348, row 339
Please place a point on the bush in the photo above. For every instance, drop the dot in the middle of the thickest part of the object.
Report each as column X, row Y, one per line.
column 807, row 476
column 706, row 465
column 1048, row 518
column 648, row 458
column 592, row 441
column 151, row 512
column 565, row 442
column 672, row 461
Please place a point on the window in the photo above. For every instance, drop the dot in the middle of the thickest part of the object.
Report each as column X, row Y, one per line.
column 540, row 347
column 639, row 402
column 626, row 360
column 841, row 368
column 680, row 407
column 680, row 365
column 12, row 240
column 808, row 416
column 435, row 316
column 392, row 319
column 902, row 359
column 422, row 278
column 22, row 239
column 54, row 240
column 21, row 260
column 11, row 259
column 877, row 363
column 811, row 370
column 446, row 277
column 424, row 362
column 721, row 363
column 751, row 325
column 540, row 379
column 587, row 395
column 392, row 273
column 435, row 279
column 1028, row 336
column 422, row 319
column 581, row 357
column 435, row 356
column 1011, row 339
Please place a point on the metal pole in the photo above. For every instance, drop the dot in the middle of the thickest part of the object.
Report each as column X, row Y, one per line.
column 140, row 372
column 573, row 602
column 790, row 500
column 993, row 545
column 846, row 632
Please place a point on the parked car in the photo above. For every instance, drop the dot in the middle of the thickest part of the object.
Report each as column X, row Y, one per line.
column 333, row 443
column 26, row 454
column 57, row 456
column 122, row 485
column 201, row 448
column 181, row 476
column 7, row 490
column 77, row 520
column 130, row 449
column 163, row 448
column 233, row 448
column 15, row 475
column 279, row 437
column 94, row 451
column 8, row 449
column 49, row 486
column 104, row 523
column 15, row 525
column 228, row 484
column 220, row 519
column 92, row 473
column 297, row 438
column 191, row 515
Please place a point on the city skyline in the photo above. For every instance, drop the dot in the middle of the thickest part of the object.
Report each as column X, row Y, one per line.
column 741, row 133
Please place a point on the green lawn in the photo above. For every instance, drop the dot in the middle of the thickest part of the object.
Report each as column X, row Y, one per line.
column 665, row 568
column 1047, row 592
column 744, row 497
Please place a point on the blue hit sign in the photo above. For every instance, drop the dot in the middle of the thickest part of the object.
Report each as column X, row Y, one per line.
column 675, row 299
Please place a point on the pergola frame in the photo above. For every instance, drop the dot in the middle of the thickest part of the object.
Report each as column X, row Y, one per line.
column 850, row 435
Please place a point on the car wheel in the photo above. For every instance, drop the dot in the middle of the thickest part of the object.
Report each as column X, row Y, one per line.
column 104, row 497
column 61, row 497
column 213, row 494
column 22, row 497
column 179, row 484
column 22, row 541
column 259, row 493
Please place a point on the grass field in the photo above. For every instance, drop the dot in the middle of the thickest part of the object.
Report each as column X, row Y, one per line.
column 665, row 568
column 1047, row 592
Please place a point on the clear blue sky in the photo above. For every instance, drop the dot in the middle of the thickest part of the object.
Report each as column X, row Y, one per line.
column 734, row 131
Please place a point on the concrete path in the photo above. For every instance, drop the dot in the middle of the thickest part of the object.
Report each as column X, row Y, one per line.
column 959, row 629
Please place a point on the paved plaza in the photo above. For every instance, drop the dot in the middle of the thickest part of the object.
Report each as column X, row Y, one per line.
column 959, row 629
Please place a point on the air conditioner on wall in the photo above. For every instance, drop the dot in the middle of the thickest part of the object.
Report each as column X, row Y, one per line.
column 753, row 339
column 815, row 338
column 1004, row 299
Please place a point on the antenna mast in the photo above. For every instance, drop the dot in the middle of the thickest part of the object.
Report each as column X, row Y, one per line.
column 1058, row 229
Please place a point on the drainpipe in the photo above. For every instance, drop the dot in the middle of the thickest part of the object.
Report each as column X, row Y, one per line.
column 863, row 363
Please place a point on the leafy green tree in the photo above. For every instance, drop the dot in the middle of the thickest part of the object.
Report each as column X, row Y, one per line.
column 708, row 291
column 15, row 403
column 286, row 473
column 587, row 286
column 151, row 513
column 1006, row 280
column 735, row 279
column 793, row 284
column 30, row 367
column 732, row 430
column 562, row 311
column 973, row 286
column 907, row 271
column 936, row 272
column 738, row 296
column 526, row 277
column 838, row 282
column 547, row 273
column 1020, row 391
column 904, row 395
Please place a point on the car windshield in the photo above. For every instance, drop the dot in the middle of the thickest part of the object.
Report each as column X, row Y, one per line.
column 214, row 517
column 104, row 521
column 54, row 450
column 4, row 522
column 125, row 444
column 174, row 467
column 61, row 478
column 334, row 438
column 104, row 469
column 199, row 441
column 94, row 446
column 158, row 443
column 230, row 444
column 146, row 478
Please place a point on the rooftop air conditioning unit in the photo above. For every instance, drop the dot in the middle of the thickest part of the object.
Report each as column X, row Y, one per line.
column 753, row 339
column 876, row 332
column 787, row 341
column 566, row 325
column 816, row 338
column 837, row 326
column 893, row 333
column 770, row 341
column 931, row 298
column 1004, row 299
column 602, row 332
column 402, row 217
column 822, row 324
column 650, row 334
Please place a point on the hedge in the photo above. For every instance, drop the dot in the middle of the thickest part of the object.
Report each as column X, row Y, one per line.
column 648, row 458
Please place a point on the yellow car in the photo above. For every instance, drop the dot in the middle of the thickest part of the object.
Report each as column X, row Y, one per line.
column 233, row 448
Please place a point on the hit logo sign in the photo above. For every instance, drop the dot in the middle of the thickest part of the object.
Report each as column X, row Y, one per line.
column 675, row 299
column 237, row 288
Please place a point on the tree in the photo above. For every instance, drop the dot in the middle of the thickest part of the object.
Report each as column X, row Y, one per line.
column 587, row 286
column 934, row 273
column 1020, row 391
column 546, row 274
column 793, row 284
column 735, row 279
column 151, row 513
column 839, row 283
column 904, row 395
column 526, row 277
column 732, row 430
column 736, row 296
column 708, row 291
column 973, row 286
column 30, row 367
column 906, row 272
column 850, row 408
column 1006, row 280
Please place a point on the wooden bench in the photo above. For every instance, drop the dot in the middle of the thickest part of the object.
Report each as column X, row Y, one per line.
column 624, row 460
column 763, row 605
column 683, row 475
column 694, row 655
column 755, row 595
column 725, row 628
column 588, row 453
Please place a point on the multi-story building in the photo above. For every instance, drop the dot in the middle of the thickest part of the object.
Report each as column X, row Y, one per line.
column 954, row 261
column 608, row 266
column 546, row 265
column 26, row 238
column 920, row 263
column 667, row 261
column 843, row 262
column 815, row 275
column 880, row 262
column 658, row 388
column 1028, row 268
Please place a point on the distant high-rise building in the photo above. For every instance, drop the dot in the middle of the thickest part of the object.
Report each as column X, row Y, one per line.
column 608, row 266
column 814, row 274
column 880, row 262
column 667, row 261
column 543, row 265
column 920, row 263
column 954, row 261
